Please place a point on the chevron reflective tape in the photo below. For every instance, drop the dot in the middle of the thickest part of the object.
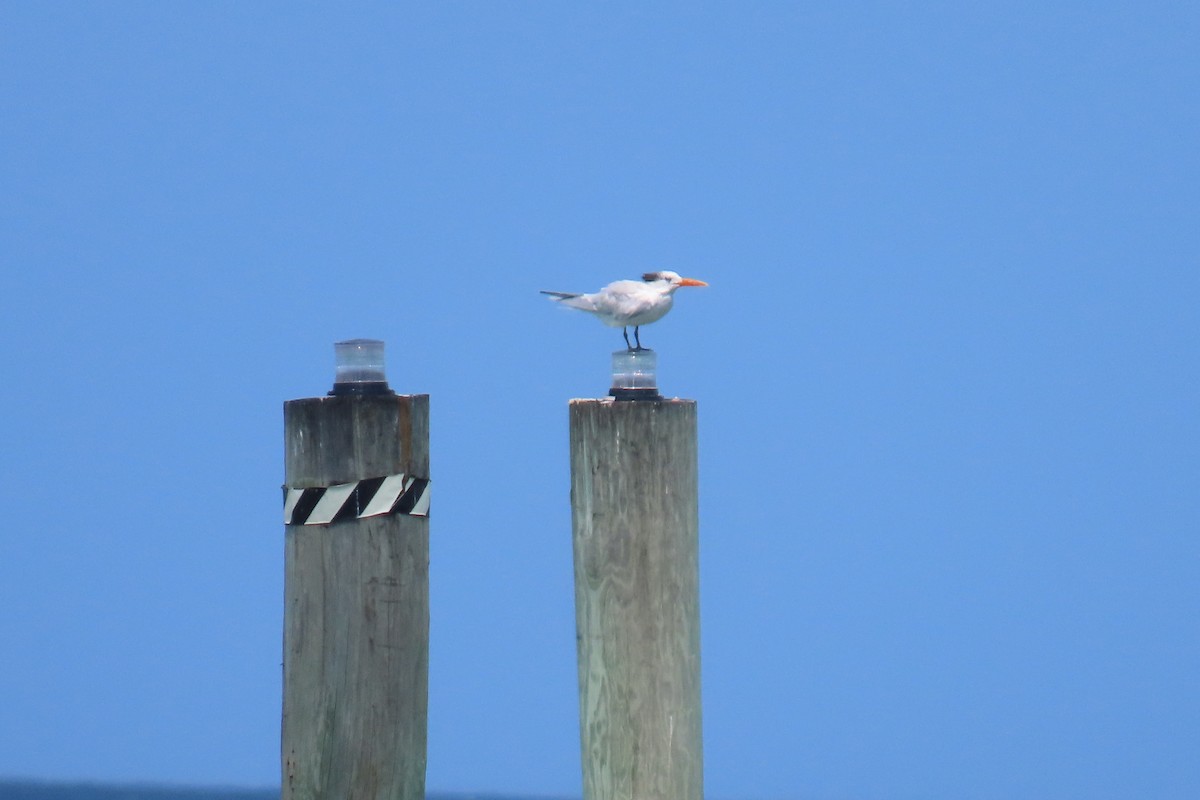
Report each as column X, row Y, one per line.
column 370, row 497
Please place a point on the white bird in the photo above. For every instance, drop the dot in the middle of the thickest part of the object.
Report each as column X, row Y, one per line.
column 625, row 303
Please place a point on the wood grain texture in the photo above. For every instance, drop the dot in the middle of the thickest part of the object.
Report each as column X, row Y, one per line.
column 635, row 527
column 356, row 615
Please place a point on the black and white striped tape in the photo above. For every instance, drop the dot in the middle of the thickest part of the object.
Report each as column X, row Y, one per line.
column 370, row 497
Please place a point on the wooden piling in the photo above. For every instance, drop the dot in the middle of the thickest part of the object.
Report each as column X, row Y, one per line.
column 635, row 523
column 356, row 618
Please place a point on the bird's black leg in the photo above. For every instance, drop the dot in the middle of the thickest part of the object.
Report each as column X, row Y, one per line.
column 625, row 333
column 637, row 337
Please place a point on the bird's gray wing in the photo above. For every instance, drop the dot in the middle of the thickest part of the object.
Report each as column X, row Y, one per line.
column 583, row 302
column 625, row 298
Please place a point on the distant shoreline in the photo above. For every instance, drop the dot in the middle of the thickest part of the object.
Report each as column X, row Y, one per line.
column 38, row 789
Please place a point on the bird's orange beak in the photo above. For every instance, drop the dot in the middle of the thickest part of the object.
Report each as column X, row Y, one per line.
column 692, row 282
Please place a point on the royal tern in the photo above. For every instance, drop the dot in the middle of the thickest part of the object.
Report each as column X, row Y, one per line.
column 625, row 303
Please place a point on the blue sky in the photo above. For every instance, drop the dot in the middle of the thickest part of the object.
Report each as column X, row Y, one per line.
column 947, row 372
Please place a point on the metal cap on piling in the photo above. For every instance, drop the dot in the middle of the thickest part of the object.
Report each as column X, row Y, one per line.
column 359, row 368
column 635, row 375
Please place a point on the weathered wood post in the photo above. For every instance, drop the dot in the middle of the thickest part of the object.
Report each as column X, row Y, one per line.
column 635, row 523
column 356, row 584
